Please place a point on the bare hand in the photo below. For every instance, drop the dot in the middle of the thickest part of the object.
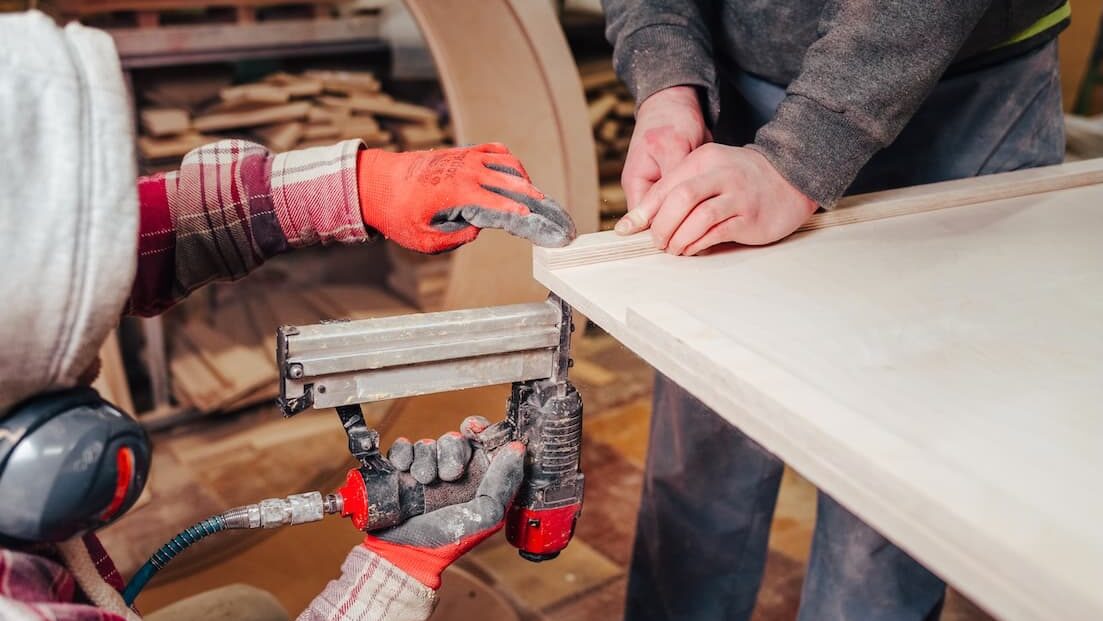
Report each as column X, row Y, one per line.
column 669, row 125
column 722, row 194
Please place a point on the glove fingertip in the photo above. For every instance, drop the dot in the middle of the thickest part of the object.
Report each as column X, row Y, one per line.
column 424, row 468
column 492, row 147
column 472, row 426
column 401, row 454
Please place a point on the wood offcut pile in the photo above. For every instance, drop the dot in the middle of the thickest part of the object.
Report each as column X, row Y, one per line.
column 223, row 360
column 289, row 111
column 419, row 279
column 612, row 116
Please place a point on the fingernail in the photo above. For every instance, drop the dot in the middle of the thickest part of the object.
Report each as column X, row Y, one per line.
column 628, row 224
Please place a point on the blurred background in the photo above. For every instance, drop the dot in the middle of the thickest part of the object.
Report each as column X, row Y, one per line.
column 296, row 73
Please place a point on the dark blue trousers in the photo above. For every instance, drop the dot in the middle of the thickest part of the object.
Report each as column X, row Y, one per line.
column 709, row 491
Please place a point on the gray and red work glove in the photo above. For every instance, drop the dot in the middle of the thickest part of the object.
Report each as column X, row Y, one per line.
column 433, row 201
column 425, row 545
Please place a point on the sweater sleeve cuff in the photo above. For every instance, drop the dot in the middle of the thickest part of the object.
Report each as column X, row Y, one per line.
column 314, row 195
column 818, row 150
column 660, row 56
column 370, row 587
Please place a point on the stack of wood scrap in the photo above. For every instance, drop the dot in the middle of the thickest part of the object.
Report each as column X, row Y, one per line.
column 417, row 278
column 225, row 361
column 290, row 111
column 1083, row 137
column 612, row 113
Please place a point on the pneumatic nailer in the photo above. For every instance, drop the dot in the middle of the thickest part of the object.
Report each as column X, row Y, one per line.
column 341, row 364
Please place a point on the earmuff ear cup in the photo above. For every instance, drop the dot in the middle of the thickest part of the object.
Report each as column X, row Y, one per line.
column 71, row 463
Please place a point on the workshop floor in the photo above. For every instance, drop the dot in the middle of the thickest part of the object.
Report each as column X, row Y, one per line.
column 588, row 580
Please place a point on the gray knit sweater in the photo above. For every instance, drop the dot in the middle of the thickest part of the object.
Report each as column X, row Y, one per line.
column 855, row 70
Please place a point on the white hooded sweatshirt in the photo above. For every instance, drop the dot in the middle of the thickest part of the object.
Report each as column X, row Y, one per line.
column 68, row 201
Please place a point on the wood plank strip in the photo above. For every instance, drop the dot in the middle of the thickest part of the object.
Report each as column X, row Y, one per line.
column 608, row 246
column 212, row 370
column 957, row 193
column 600, row 108
column 172, row 146
column 255, row 93
column 383, row 107
column 160, row 122
column 281, row 136
column 252, row 118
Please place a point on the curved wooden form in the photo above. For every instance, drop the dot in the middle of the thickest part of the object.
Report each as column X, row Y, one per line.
column 509, row 77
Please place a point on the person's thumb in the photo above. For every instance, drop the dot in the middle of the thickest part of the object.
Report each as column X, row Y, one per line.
column 503, row 477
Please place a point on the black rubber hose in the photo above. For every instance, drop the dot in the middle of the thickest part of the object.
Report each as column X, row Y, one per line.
column 175, row 546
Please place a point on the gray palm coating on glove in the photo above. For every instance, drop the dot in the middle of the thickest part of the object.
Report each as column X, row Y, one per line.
column 484, row 512
column 445, row 458
column 546, row 224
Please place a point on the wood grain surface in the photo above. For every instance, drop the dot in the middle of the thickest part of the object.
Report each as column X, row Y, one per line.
column 939, row 374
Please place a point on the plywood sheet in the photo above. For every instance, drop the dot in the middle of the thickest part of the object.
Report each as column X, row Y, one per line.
column 939, row 374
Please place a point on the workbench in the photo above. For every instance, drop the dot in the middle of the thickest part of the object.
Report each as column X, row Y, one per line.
column 940, row 374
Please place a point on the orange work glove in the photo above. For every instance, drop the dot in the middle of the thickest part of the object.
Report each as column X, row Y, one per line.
column 433, row 201
column 425, row 545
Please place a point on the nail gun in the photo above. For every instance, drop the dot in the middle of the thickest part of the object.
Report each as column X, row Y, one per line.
column 342, row 364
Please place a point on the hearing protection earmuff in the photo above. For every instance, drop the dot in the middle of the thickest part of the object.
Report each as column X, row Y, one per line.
column 70, row 462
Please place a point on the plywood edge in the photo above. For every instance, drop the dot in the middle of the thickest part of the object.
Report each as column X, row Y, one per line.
column 959, row 192
column 608, row 246
column 772, row 407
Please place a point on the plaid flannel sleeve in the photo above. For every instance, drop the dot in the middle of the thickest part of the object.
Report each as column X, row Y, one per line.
column 234, row 204
column 35, row 586
column 370, row 587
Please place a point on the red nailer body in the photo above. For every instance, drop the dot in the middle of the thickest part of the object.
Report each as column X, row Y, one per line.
column 548, row 416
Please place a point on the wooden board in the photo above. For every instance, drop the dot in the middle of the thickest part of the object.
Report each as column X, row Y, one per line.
column 251, row 118
column 164, row 121
column 255, row 93
column 173, row 146
column 609, row 246
column 938, row 374
column 385, row 107
column 210, row 370
column 283, row 136
column 509, row 77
